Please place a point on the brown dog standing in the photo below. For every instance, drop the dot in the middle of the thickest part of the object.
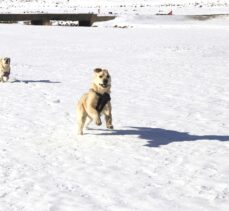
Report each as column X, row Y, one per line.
column 4, row 69
column 96, row 102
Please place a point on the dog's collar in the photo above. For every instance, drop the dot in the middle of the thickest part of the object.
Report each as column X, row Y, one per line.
column 98, row 94
column 102, row 101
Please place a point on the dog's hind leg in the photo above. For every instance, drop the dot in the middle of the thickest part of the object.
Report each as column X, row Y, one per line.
column 81, row 121
column 81, row 118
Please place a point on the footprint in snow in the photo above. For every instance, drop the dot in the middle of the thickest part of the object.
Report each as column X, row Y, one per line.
column 56, row 101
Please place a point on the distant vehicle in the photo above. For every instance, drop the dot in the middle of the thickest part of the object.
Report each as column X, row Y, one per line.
column 160, row 12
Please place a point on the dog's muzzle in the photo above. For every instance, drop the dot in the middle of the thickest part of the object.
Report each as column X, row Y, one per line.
column 7, row 61
column 104, row 85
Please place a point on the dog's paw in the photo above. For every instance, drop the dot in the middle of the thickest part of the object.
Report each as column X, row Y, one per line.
column 110, row 127
column 80, row 132
column 5, row 79
column 98, row 122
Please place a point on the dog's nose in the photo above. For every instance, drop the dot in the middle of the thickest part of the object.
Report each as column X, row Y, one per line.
column 105, row 81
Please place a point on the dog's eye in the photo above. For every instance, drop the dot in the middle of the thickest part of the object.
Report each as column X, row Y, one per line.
column 100, row 76
column 108, row 76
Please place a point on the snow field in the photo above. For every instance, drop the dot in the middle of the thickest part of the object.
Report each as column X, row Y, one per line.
column 169, row 149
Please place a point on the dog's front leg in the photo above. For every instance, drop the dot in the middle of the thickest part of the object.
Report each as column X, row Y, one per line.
column 108, row 115
column 95, row 116
column 88, row 121
column 93, row 113
column 5, row 78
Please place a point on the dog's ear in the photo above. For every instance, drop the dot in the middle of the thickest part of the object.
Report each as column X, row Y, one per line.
column 97, row 70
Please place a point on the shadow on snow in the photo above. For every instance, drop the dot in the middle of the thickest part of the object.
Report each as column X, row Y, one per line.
column 36, row 81
column 157, row 136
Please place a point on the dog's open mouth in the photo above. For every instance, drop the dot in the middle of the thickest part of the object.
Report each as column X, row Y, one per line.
column 104, row 85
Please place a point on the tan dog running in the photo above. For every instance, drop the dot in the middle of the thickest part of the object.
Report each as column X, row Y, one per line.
column 96, row 102
column 4, row 69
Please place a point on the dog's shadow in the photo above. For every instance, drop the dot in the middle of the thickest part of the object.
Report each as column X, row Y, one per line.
column 158, row 136
column 36, row 81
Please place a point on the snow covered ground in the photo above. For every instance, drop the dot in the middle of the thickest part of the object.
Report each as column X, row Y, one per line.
column 117, row 7
column 170, row 146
